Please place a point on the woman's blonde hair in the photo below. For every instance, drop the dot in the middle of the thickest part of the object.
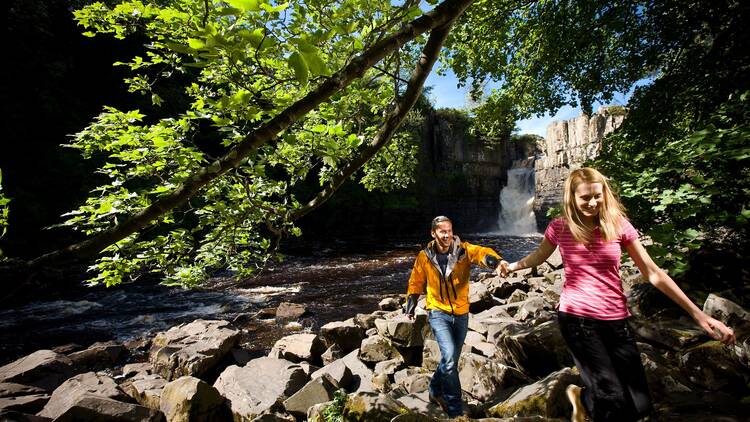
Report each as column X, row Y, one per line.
column 610, row 215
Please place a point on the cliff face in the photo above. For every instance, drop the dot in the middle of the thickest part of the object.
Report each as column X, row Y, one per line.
column 567, row 145
column 462, row 177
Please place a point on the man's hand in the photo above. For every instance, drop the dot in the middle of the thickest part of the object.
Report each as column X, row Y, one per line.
column 503, row 270
column 411, row 305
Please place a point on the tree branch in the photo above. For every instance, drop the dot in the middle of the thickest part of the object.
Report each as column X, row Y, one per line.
column 392, row 121
column 441, row 15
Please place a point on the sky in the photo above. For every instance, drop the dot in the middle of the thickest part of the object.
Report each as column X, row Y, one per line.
column 445, row 94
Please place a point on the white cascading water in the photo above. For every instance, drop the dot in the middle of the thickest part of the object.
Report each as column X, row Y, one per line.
column 517, row 200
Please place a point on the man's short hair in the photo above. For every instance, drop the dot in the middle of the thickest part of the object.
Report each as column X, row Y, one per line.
column 439, row 219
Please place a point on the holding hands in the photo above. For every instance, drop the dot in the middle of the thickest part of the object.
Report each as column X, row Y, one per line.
column 716, row 329
column 505, row 268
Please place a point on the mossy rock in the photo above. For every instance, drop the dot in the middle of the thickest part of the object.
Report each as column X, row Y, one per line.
column 545, row 398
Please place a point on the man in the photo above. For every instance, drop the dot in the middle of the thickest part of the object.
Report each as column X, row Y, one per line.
column 442, row 270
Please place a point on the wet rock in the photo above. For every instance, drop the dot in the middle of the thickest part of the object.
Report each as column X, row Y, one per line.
column 714, row 367
column 44, row 369
column 365, row 406
column 377, row 349
column 299, row 347
column 403, row 331
column 484, row 379
column 287, row 311
column 71, row 391
column 8, row 415
column 337, row 372
column 190, row 399
column 347, row 335
column 98, row 356
column 192, row 349
column 389, row 304
column 319, row 390
column 67, row 348
column 537, row 350
column 146, row 389
column 95, row 409
column 544, row 398
column 259, row 386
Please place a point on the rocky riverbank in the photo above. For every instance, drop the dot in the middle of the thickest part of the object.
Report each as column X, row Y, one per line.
column 376, row 367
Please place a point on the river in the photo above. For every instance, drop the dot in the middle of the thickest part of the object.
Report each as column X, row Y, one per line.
column 333, row 280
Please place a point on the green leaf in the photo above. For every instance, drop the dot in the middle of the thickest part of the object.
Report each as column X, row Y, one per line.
column 245, row 5
column 196, row 43
column 316, row 64
column 299, row 66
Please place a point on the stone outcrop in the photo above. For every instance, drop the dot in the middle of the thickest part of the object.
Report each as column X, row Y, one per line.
column 71, row 391
column 188, row 399
column 192, row 349
column 567, row 145
column 44, row 369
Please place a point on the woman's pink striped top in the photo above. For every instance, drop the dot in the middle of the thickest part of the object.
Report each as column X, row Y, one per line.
column 592, row 286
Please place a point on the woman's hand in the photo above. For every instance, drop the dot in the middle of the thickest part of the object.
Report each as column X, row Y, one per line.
column 716, row 329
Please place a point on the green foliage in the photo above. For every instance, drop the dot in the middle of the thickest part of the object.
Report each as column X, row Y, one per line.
column 394, row 167
column 495, row 118
column 681, row 158
column 3, row 213
column 554, row 212
column 334, row 412
column 546, row 54
column 241, row 62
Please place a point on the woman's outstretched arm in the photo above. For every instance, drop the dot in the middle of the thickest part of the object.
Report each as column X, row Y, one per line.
column 659, row 279
column 531, row 260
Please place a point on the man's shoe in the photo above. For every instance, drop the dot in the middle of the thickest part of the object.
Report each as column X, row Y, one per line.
column 574, row 396
column 439, row 401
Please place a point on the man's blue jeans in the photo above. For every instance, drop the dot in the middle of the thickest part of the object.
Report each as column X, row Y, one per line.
column 450, row 333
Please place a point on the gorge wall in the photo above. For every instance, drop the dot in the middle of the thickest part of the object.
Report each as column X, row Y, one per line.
column 567, row 146
column 461, row 176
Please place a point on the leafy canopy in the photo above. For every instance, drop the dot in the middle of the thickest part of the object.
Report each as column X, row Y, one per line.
column 240, row 63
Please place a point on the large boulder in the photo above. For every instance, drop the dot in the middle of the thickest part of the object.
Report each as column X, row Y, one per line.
column 545, row 398
column 90, row 408
column 403, row 331
column 188, row 399
column 347, row 334
column 531, row 308
column 331, row 354
column 319, row 390
column 361, row 374
column 337, row 372
column 503, row 287
column 726, row 311
column 192, row 349
column 287, row 311
column 674, row 334
column 714, row 367
column 146, row 389
column 389, row 304
column 377, row 349
column 260, row 386
column 430, row 355
column 22, row 398
column 98, row 356
column 485, row 379
column 299, row 347
column 537, row 350
column 44, row 369
column 86, row 384
column 372, row 407
column 664, row 378
column 420, row 404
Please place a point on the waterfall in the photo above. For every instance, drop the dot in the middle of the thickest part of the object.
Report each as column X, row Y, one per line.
column 517, row 200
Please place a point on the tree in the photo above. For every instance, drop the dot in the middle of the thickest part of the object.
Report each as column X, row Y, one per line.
column 680, row 159
column 175, row 207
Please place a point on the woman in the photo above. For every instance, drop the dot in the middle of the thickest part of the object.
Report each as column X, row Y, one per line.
column 593, row 312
